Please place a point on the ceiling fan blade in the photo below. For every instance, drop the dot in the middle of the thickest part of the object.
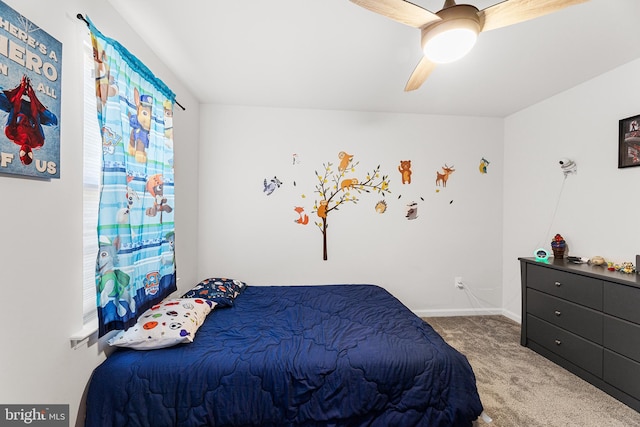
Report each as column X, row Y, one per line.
column 420, row 74
column 400, row 11
column 514, row 11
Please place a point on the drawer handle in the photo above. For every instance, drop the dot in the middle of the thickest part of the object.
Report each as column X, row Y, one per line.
column 558, row 284
column 558, row 313
column 558, row 342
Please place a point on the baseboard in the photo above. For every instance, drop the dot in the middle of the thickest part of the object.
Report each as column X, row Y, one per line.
column 468, row 312
column 458, row 312
column 513, row 316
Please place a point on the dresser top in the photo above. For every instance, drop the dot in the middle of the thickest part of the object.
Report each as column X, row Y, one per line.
column 596, row 271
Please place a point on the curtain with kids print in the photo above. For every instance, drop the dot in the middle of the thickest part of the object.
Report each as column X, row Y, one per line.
column 135, row 266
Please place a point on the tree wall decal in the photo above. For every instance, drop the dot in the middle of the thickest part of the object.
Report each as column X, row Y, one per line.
column 338, row 187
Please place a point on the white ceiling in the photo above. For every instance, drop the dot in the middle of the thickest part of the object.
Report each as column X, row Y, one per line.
column 332, row 54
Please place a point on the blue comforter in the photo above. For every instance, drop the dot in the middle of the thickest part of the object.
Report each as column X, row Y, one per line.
column 333, row 355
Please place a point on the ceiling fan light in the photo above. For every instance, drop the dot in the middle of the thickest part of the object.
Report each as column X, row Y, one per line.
column 453, row 36
column 451, row 45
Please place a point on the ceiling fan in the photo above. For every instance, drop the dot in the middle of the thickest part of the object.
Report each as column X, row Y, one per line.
column 449, row 34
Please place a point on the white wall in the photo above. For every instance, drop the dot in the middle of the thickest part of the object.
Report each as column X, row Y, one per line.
column 597, row 209
column 41, row 250
column 251, row 236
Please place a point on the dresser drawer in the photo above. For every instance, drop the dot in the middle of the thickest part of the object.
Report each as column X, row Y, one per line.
column 573, row 287
column 571, row 347
column 623, row 373
column 622, row 301
column 622, row 337
column 575, row 318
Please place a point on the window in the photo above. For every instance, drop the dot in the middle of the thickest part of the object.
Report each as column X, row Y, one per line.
column 91, row 185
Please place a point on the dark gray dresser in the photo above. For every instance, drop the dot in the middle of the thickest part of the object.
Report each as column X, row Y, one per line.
column 587, row 320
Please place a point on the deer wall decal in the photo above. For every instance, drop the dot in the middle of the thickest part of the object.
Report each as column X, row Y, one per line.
column 441, row 178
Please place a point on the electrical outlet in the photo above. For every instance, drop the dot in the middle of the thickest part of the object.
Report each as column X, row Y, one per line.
column 457, row 281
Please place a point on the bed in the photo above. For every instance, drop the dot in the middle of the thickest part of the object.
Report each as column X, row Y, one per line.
column 329, row 355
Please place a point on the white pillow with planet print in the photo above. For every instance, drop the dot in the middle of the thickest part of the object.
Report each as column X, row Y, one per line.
column 171, row 322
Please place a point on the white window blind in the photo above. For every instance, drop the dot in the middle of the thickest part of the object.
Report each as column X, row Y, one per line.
column 92, row 162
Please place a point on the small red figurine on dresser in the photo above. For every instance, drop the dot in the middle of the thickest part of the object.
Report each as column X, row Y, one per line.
column 558, row 245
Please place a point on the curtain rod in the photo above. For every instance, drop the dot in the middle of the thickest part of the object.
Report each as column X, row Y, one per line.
column 82, row 18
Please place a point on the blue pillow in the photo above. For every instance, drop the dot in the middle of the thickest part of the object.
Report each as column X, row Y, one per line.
column 219, row 290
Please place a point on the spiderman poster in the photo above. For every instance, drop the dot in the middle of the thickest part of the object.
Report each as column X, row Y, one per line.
column 30, row 75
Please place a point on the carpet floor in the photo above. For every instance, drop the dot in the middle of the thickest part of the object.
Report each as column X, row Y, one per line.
column 520, row 388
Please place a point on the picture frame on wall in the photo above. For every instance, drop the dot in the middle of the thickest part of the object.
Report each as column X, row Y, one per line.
column 30, row 98
column 629, row 142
